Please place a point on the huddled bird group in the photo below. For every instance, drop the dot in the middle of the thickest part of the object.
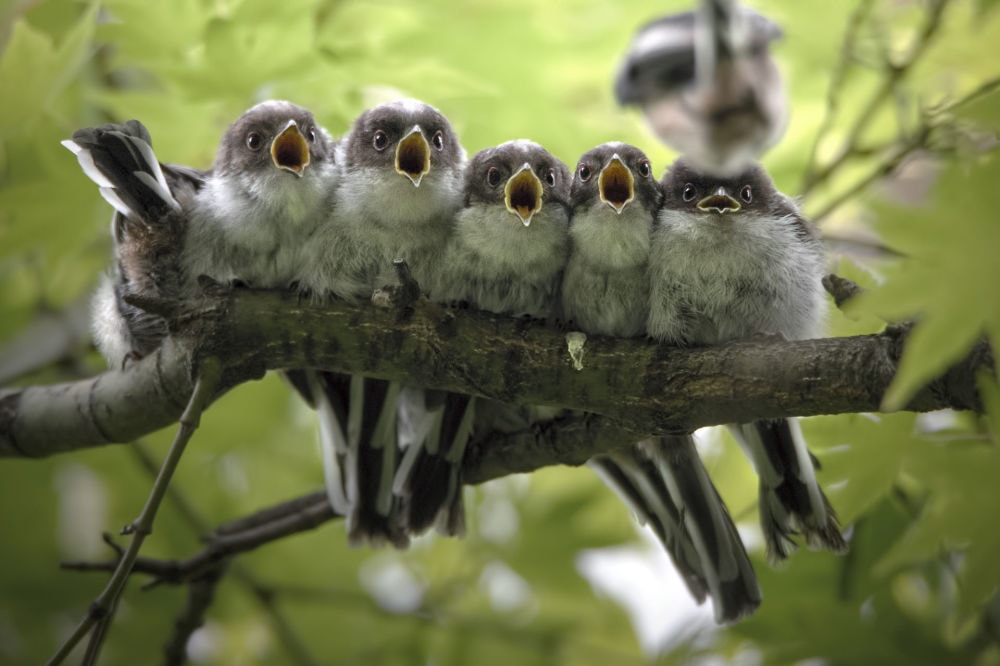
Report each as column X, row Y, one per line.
column 605, row 248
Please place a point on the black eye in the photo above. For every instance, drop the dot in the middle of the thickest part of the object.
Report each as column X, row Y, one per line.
column 311, row 135
column 550, row 177
column 254, row 141
column 644, row 169
column 493, row 176
column 380, row 140
column 438, row 140
column 689, row 192
column 746, row 194
column 584, row 172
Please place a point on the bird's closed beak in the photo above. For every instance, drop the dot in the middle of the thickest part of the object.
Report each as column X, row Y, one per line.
column 413, row 156
column 523, row 194
column 719, row 202
column 290, row 150
column 616, row 184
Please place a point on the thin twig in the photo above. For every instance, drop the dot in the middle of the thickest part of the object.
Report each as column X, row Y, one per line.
column 894, row 74
column 277, row 522
column 175, row 570
column 837, row 79
column 879, row 171
column 103, row 606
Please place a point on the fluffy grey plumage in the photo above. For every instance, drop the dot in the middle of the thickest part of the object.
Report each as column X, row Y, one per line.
column 606, row 291
column 269, row 192
column 506, row 256
column 510, row 240
column 733, row 258
column 400, row 188
column 614, row 200
column 403, row 166
column 247, row 220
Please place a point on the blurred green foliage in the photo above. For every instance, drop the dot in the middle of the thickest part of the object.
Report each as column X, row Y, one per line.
column 920, row 491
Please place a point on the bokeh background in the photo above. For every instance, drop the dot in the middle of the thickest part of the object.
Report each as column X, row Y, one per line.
column 890, row 143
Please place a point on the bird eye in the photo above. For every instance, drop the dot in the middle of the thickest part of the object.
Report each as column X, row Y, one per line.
column 550, row 177
column 493, row 176
column 311, row 135
column 254, row 141
column 380, row 140
column 746, row 194
column 584, row 172
column 689, row 192
column 438, row 140
column 644, row 169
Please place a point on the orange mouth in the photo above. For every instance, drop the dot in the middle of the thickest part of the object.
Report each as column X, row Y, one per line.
column 616, row 184
column 413, row 156
column 290, row 150
column 523, row 194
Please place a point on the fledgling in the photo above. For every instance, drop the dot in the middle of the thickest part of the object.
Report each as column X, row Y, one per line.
column 268, row 194
column 605, row 291
column 403, row 168
column 147, row 231
column 510, row 239
column 708, row 85
column 506, row 255
column 733, row 258
column 241, row 221
column 614, row 200
column 401, row 185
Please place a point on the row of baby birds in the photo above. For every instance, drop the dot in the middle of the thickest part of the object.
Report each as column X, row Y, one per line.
column 687, row 259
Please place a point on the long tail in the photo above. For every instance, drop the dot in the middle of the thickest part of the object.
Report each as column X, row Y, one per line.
column 435, row 427
column 120, row 159
column 665, row 483
column 148, row 228
column 360, row 455
column 791, row 501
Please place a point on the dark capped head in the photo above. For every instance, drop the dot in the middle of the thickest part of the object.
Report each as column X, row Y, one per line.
column 521, row 175
column 408, row 136
column 615, row 175
column 686, row 188
column 273, row 135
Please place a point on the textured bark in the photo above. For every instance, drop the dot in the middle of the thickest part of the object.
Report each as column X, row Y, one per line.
column 635, row 386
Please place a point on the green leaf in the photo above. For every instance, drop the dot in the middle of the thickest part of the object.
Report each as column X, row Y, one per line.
column 34, row 69
column 947, row 281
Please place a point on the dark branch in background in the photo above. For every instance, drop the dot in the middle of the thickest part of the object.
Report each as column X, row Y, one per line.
column 201, row 594
column 191, row 616
column 636, row 385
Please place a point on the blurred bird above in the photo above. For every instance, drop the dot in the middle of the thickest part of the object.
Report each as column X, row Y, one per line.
column 707, row 84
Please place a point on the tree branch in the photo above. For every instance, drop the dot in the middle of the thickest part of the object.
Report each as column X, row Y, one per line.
column 637, row 386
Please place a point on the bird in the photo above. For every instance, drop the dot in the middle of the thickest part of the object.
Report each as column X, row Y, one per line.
column 403, row 167
column 147, row 231
column 605, row 291
column 505, row 255
column 245, row 220
column 733, row 258
column 510, row 242
column 707, row 84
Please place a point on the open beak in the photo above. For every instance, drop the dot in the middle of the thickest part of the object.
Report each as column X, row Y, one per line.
column 616, row 184
column 413, row 156
column 290, row 150
column 719, row 202
column 523, row 194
